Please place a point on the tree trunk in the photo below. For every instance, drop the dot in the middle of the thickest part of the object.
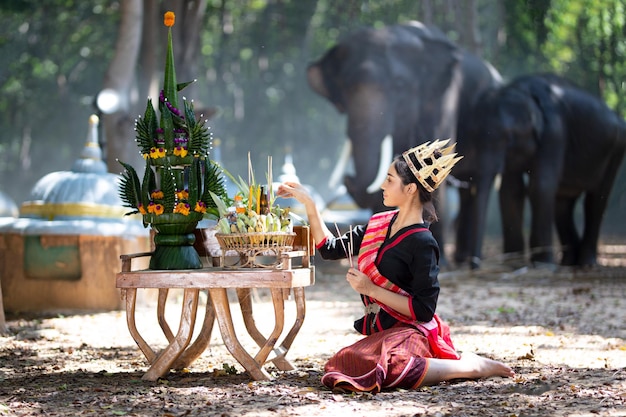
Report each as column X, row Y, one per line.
column 119, row 132
column 466, row 24
column 148, row 77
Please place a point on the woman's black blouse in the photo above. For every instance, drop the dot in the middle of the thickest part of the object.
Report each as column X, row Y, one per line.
column 412, row 264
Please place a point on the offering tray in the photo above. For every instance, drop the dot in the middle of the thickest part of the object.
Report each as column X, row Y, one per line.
column 254, row 249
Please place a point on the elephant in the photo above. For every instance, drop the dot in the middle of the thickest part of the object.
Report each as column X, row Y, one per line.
column 552, row 142
column 400, row 86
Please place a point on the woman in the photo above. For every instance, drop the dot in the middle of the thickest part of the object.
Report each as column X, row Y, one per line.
column 407, row 346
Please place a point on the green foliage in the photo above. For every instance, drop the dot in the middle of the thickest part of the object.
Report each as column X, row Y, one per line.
column 525, row 28
column 146, row 127
column 169, row 82
column 195, row 182
column 213, row 183
column 587, row 44
column 53, row 60
column 168, row 186
column 148, row 185
column 199, row 138
column 130, row 190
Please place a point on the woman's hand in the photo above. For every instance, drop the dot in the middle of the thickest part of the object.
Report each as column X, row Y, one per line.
column 363, row 285
column 319, row 231
column 294, row 190
column 360, row 282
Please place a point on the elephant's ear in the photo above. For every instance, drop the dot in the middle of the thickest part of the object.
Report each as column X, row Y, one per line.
column 325, row 74
column 338, row 55
column 315, row 77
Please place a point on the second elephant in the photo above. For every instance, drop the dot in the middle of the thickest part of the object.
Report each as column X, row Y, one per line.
column 553, row 143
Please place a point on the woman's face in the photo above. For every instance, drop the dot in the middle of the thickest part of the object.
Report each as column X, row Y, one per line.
column 393, row 189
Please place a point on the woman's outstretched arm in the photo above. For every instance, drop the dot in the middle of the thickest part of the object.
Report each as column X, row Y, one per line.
column 294, row 190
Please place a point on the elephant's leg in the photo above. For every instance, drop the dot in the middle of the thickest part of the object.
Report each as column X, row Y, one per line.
column 438, row 228
column 463, row 226
column 542, row 198
column 480, row 209
column 512, row 197
column 566, row 228
column 595, row 206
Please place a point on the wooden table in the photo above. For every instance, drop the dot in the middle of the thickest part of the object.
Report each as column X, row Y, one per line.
column 181, row 352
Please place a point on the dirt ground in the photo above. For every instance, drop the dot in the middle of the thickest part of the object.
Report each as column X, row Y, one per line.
column 563, row 332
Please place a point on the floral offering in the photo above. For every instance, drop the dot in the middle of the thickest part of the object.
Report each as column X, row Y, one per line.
column 179, row 179
column 179, row 176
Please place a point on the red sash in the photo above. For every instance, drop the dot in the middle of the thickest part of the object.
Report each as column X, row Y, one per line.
column 375, row 235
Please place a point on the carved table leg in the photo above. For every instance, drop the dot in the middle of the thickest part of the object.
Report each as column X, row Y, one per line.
column 202, row 341
column 300, row 313
column 162, row 300
column 219, row 297
column 245, row 301
column 131, row 296
column 168, row 356
column 279, row 324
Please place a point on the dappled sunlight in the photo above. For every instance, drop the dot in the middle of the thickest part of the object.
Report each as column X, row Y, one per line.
column 554, row 333
column 542, row 346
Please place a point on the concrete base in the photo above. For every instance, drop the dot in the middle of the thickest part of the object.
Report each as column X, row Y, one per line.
column 91, row 263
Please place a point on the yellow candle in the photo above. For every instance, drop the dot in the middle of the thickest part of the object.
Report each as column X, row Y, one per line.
column 250, row 199
column 258, row 200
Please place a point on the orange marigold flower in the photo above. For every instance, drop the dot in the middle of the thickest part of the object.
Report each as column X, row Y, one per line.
column 154, row 153
column 141, row 209
column 158, row 209
column 180, row 151
column 157, row 194
column 169, row 19
column 200, row 207
column 182, row 208
column 151, row 207
column 182, row 194
column 161, row 152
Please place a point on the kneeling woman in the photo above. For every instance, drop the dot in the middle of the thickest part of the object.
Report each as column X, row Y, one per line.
column 396, row 274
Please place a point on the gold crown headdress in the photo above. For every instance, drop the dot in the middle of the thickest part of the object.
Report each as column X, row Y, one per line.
column 431, row 162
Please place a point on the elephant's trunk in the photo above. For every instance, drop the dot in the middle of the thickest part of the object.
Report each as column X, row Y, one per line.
column 386, row 157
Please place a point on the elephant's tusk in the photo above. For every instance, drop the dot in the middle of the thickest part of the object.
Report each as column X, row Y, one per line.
column 340, row 167
column 386, row 155
column 497, row 182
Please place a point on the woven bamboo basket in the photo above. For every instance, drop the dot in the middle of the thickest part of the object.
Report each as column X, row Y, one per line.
column 250, row 246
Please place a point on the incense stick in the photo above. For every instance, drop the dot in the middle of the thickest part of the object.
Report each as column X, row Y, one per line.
column 270, row 181
column 250, row 173
column 348, row 254
column 351, row 246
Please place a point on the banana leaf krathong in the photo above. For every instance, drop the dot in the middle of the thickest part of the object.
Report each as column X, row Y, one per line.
column 179, row 175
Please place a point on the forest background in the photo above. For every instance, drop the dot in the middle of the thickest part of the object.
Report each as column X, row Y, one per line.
column 249, row 58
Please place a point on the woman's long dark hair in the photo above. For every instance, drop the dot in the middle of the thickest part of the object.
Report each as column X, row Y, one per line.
column 426, row 198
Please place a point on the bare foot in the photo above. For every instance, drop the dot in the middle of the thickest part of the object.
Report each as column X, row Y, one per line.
column 485, row 367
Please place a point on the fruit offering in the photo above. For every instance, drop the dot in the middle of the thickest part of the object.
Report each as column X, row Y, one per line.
column 252, row 222
column 252, row 209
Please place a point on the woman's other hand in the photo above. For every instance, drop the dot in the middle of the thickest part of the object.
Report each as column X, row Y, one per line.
column 360, row 282
column 363, row 285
